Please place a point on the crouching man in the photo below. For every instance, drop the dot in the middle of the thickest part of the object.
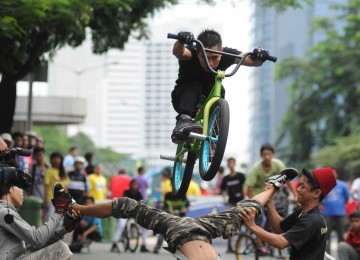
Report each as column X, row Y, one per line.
column 19, row 240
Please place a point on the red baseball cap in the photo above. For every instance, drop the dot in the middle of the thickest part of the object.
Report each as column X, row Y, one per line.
column 325, row 177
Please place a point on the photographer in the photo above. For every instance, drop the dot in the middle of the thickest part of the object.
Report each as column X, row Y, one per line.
column 19, row 240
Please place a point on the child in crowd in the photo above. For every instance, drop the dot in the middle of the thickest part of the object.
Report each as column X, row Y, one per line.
column 350, row 248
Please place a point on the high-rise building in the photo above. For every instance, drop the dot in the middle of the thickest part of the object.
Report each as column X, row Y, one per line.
column 122, row 100
column 159, row 115
column 284, row 34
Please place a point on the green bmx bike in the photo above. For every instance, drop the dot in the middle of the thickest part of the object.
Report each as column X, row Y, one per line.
column 214, row 117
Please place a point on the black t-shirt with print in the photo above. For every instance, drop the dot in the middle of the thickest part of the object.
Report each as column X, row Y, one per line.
column 190, row 70
column 306, row 234
column 234, row 187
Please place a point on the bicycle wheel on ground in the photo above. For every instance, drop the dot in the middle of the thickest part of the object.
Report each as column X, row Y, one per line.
column 246, row 246
column 182, row 172
column 133, row 235
column 212, row 149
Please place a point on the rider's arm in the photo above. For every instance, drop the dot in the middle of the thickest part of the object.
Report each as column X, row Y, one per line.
column 181, row 52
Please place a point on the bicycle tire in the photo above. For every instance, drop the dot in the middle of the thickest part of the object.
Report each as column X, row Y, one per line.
column 246, row 246
column 132, row 237
column 212, row 152
column 182, row 172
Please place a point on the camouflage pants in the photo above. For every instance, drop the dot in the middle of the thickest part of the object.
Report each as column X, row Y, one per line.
column 179, row 230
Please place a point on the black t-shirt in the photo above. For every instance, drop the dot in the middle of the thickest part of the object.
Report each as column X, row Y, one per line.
column 133, row 195
column 190, row 70
column 177, row 203
column 234, row 187
column 77, row 186
column 306, row 234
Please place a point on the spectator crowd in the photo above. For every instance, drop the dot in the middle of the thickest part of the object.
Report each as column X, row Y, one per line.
column 83, row 177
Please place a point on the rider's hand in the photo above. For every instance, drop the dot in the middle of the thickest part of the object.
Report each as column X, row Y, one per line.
column 260, row 54
column 185, row 37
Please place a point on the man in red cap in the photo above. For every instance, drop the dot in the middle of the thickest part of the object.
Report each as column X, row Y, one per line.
column 305, row 229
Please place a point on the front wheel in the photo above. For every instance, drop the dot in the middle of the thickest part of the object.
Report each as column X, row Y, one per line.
column 182, row 172
column 212, row 149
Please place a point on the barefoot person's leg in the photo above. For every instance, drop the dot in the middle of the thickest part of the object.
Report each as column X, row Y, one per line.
column 101, row 210
column 227, row 223
column 191, row 237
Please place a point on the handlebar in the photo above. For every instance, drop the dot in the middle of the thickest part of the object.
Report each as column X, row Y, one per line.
column 204, row 50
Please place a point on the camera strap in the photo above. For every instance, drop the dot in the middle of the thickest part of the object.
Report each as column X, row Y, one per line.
column 9, row 219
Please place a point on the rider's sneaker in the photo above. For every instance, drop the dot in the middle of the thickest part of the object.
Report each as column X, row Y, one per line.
column 184, row 126
column 62, row 200
column 284, row 177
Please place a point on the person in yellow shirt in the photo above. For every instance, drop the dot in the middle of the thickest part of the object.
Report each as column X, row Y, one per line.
column 98, row 183
column 53, row 175
column 165, row 184
column 194, row 189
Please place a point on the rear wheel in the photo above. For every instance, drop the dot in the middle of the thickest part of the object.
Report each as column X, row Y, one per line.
column 246, row 247
column 182, row 172
column 212, row 150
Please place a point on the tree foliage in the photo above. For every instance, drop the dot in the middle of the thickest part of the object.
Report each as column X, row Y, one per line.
column 343, row 155
column 325, row 88
column 32, row 30
column 56, row 139
column 281, row 5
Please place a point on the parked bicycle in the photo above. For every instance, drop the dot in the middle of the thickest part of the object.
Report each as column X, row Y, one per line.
column 214, row 117
column 129, row 237
column 246, row 246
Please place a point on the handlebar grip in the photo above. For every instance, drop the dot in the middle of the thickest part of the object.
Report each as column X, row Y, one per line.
column 272, row 58
column 172, row 36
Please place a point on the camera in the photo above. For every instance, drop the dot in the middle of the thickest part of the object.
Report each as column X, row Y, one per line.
column 9, row 174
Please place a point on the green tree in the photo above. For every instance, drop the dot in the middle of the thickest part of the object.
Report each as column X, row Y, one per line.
column 343, row 155
column 325, row 88
column 54, row 137
column 82, row 142
column 31, row 30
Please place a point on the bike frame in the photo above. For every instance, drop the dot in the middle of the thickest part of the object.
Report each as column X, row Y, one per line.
column 202, row 116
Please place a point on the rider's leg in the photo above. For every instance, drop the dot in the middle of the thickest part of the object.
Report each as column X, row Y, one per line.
column 185, row 99
column 175, row 228
column 227, row 223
